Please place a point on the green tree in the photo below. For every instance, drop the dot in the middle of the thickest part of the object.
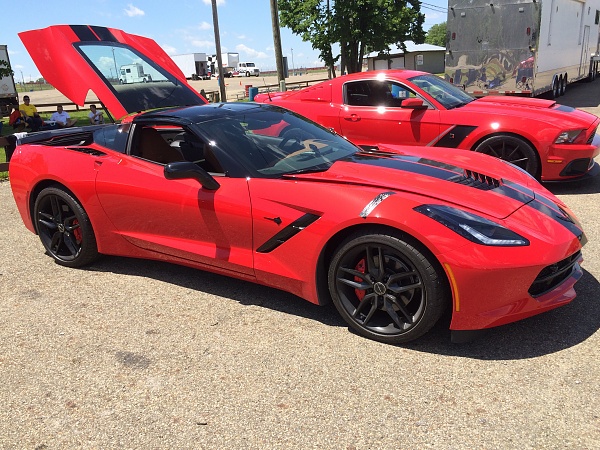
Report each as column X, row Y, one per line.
column 357, row 26
column 437, row 35
column 5, row 70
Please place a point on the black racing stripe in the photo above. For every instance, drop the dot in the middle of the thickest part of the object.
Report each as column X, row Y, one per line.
column 104, row 34
column 560, row 216
column 411, row 164
column 454, row 136
column 84, row 33
column 287, row 233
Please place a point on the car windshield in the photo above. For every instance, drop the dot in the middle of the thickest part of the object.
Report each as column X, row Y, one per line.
column 445, row 93
column 272, row 142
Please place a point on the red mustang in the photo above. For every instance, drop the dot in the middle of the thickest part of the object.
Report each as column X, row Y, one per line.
column 550, row 141
column 393, row 237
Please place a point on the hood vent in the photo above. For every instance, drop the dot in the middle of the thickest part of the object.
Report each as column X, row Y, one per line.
column 476, row 180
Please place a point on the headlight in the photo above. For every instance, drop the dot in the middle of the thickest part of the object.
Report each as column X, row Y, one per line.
column 474, row 228
column 569, row 137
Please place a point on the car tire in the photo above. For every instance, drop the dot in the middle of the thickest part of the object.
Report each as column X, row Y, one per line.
column 395, row 305
column 64, row 228
column 511, row 149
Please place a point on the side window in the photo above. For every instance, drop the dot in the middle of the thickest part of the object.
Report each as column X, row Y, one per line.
column 376, row 93
column 150, row 144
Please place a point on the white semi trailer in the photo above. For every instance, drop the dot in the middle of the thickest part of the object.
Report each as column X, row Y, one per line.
column 8, row 91
column 522, row 47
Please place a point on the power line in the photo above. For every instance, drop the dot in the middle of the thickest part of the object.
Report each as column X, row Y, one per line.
column 432, row 7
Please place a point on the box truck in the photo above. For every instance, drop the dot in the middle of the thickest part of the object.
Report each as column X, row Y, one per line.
column 229, row 61
column 8, row 90
column 194, row 66
column 522, row 47
column 133, row 73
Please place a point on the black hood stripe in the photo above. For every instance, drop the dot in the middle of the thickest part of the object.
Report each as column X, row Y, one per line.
column 455, row 174
column 87, row 33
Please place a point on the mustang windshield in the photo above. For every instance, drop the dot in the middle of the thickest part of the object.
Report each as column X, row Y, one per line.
column 445, row 93
column 272, row 143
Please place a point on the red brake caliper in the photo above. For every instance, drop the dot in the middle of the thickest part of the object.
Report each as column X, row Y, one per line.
column 360, row 267
column 77, row 231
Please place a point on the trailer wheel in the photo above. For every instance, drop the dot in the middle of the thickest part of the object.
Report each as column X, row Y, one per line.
column 512, row 149
column 563, row 84
column 555, row 93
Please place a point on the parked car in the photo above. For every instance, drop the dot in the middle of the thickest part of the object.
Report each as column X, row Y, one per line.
column 550, row 141
column 393, row 236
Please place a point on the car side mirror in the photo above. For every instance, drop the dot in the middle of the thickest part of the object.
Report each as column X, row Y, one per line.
column 183, row 170
column 413, row 103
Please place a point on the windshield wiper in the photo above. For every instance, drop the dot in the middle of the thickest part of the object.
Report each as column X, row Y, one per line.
column 315, row 169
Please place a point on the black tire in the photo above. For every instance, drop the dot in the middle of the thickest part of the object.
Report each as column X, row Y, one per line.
column 395, row 305
column 64, row 228
column 563, row 85
column 513, row 150
column 247, row 74
column 555, row 92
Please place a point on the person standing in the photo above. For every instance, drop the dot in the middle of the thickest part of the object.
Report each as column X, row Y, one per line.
column 30, row 114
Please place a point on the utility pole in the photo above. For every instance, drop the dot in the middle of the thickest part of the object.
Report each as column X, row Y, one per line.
column 277, row 40
column 218, row 45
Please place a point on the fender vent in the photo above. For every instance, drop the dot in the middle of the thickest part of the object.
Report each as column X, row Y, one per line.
column 476, row 180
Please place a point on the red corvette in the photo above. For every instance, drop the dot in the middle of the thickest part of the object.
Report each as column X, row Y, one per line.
column 550, row 141
column 393, row 237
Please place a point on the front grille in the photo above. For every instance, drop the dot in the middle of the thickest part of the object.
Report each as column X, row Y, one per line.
column 476, row 180
column 554, row 274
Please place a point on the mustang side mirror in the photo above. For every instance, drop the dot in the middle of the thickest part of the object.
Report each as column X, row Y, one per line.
column 187, row 170
column 413, row 103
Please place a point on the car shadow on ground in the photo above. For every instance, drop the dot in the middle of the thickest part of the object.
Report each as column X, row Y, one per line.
column 584, row 186
column 582, row 94
column 546, row 333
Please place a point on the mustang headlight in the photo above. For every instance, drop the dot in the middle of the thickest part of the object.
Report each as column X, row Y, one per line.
column 569, row 137
column 472, row 227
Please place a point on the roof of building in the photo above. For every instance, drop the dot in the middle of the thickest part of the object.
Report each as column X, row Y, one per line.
column 411, row 47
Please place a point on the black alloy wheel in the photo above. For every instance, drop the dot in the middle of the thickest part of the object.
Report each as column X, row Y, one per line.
column 386, row 289
column 513, row 150
column 64, row 228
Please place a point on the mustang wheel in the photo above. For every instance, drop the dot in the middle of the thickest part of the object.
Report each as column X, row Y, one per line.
column 513, row 150
column 385, row 289
column 64, row 228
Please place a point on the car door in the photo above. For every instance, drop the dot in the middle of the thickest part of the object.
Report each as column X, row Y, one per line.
column 375, row 112
column 178, row 218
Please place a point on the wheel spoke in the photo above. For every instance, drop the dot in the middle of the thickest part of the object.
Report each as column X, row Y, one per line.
column 355, row 284
column 71, row 243
column 56, row 209
column 401, row 307
column 57, row 239
column 392, row 313
column 371, row 313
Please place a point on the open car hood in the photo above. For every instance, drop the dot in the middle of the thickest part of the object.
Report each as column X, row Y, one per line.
column 128, row 73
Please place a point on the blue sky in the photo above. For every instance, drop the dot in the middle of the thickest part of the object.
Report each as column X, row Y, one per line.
column 179, row 27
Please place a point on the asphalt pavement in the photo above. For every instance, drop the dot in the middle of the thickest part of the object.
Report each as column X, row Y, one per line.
column 142, row 354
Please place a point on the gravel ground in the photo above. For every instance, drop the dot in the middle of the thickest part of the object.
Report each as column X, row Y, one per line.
column 141, row 354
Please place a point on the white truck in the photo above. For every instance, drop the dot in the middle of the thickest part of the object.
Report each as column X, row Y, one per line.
column 246, row 69
column 194, row 66
column 133, row 73
column 522, row 47
column 229, row 61
column 8, row 91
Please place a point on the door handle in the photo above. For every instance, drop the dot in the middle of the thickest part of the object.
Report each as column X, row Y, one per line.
column 352, row 118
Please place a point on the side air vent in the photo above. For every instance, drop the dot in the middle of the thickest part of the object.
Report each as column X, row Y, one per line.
column 89, row 151
column 85, row 138
column 591, row 138
column 476, row 180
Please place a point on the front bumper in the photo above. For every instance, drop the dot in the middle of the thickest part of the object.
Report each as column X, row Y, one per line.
column 571, row 162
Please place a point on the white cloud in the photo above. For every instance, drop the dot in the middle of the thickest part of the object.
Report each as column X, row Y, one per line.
column 170, row 50
column 205, row 26
column 202, row 44
column 242, row 37
column 133, row 11
column 250, row 52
